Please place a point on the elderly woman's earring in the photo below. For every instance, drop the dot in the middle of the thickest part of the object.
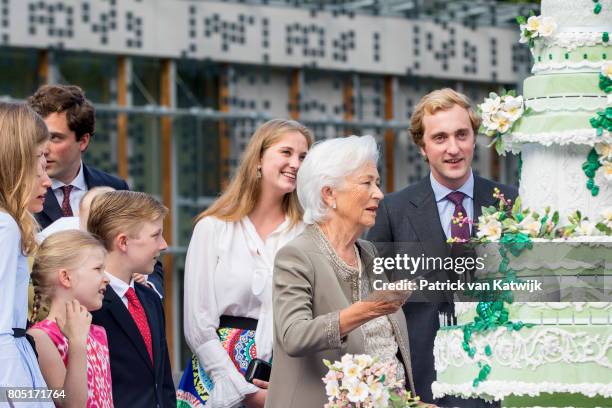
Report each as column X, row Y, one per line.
column 258, row 172
column 334, row 205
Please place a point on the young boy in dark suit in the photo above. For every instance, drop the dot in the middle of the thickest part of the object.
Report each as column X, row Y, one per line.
column 131, row 225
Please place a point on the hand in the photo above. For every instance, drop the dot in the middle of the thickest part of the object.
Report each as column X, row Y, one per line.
column 379, row 308
column 75, row 326
column 362, row 312
column 261, row 383
column 256, row 399
column 140, row 278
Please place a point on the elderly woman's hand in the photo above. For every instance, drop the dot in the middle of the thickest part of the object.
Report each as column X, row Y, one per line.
column 361, row 312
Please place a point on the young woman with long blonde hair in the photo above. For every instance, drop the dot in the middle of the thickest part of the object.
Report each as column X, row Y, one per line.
column 22, row 179
column 228, row 269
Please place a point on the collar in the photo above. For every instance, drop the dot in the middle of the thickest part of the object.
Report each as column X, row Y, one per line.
column 119, row 286
column 281, row 228
column 440, row 191
column 78, row 182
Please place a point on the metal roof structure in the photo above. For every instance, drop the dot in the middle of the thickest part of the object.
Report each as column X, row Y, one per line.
column 469, row 12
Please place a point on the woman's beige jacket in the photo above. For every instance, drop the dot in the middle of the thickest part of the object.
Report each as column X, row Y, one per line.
column 310, row 287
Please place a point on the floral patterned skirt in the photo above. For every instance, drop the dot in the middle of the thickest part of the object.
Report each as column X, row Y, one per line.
column 196, row 385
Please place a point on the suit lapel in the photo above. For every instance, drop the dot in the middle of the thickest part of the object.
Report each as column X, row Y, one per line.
column 425, row 221
column 51, row 207
column 90, row 179
column 125, row 321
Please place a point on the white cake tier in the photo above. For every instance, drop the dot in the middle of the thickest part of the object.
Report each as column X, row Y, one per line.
column 578, row 15
column 530, row 362
column 552, row 176
column 547, row 313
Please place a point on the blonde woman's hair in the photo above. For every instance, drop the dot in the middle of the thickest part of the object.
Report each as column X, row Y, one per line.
column 123, row 211
column 241, row 195
column 21, row 133
column 441, row 99
column 61, row 250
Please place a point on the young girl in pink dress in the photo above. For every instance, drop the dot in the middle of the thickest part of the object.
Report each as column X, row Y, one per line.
column 68, row 277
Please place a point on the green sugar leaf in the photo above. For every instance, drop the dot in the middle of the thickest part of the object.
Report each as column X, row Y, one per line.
column 597, row 9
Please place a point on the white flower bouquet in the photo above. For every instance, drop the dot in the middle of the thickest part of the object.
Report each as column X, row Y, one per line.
column 499, row 113
column 361, row 381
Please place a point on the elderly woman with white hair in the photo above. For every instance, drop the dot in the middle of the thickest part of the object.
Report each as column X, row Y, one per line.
column 322, row 279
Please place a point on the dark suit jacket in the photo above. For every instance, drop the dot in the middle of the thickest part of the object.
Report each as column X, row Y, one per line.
column 410, row 217
column 94, row 178
column 136, row 382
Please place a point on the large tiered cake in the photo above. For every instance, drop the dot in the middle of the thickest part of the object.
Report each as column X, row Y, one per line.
column 565, row 357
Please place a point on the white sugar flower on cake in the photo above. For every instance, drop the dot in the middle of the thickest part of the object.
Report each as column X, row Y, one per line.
column 547, row 26
column 530, row 226
column 587, row 228
column 498, row 122
column 499, row 113
column 604, row 150
column 512, row 107
column 606, row 69
column 606, row 217
column 489, row 228
column 491, row 105
column 534, row 27
column 607, row 168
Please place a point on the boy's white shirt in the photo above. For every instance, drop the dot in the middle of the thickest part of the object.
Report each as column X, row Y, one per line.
column 119, row 286
column 120, row 283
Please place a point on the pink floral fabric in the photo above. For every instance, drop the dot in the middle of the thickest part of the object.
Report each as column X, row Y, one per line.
column 99, row 385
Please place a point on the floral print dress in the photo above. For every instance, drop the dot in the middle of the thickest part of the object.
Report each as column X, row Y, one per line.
column 99, row 386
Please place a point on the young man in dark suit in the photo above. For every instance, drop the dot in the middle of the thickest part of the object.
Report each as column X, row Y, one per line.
column 70, row 118
column 130, row 224
column 418, row 219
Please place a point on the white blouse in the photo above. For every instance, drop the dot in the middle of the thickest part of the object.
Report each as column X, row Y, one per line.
column 228, row 271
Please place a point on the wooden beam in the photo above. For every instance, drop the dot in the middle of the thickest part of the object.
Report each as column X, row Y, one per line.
column 348, row 96
column 166, row 96
column 123, row 75
column 224, row 137
column 294, row 94
column 43, row 67
column 389, row 136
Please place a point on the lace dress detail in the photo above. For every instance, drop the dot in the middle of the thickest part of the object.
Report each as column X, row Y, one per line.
column 379, row 337
column 378, row 333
